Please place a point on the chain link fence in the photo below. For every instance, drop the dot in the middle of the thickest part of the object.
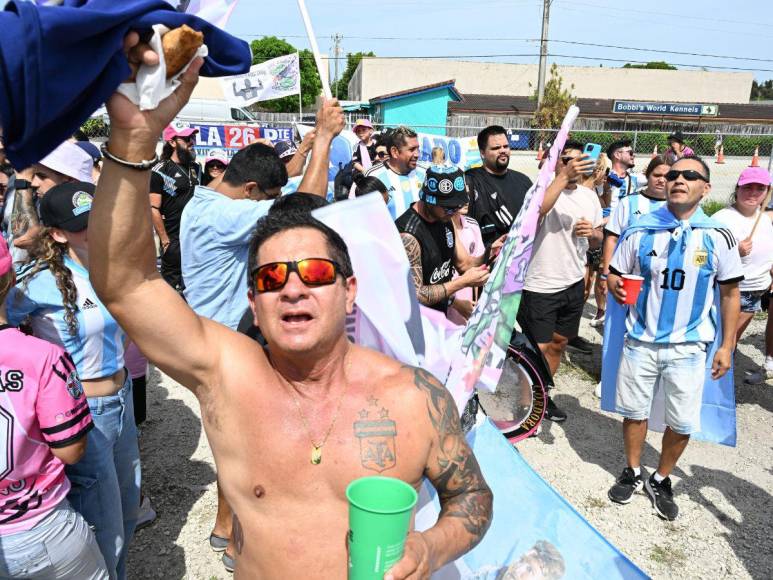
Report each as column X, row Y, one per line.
column 726, row 154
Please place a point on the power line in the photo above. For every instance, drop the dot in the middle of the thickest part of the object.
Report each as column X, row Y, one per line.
column 574, row 42
column 531, row 55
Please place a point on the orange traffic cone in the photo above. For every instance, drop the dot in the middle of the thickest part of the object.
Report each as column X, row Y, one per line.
column 540, row 152
column 721, row 155
column 756, row 158
column 655, row 151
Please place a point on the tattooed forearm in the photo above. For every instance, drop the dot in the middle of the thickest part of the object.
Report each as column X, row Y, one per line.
column 429, row 294
column 24, row 214
column 453, row 469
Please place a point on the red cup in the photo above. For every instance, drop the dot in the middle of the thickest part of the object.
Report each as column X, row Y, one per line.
column 632, row 286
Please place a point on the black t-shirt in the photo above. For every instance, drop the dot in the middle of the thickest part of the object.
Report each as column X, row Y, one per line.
column 437, row 249
column 357, row 157
column 495, row 200
column 175, row 183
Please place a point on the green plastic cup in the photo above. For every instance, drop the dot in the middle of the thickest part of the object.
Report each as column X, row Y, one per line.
column 379, row 515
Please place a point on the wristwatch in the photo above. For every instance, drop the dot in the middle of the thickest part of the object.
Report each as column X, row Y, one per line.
column 22, row 184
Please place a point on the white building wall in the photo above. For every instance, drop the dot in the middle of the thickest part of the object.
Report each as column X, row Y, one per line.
column 375, row 77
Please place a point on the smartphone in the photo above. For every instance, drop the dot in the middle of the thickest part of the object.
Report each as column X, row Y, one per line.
column 592, row 150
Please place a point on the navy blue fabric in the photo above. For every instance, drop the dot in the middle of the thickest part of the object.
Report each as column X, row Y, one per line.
column 59, row 64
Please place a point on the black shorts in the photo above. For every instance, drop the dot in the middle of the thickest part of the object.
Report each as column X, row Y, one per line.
column 558, row 312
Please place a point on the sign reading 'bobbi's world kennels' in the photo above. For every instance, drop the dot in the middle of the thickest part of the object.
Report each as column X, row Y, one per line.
column 671, row 109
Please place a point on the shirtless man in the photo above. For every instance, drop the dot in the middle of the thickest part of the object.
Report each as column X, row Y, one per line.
column 290, row 426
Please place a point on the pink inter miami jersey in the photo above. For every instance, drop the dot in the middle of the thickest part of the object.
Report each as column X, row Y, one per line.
column 42, row 405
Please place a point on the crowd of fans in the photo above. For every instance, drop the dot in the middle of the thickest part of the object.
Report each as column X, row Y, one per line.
column 72, row 486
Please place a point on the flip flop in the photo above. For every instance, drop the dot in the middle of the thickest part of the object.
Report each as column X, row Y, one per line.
column 217, row 543
column 228, row 562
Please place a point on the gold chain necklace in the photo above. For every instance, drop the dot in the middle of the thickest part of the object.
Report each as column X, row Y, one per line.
column 316, row 450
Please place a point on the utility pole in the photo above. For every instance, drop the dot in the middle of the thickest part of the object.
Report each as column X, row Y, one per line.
column 337, row 38
column 543, row 51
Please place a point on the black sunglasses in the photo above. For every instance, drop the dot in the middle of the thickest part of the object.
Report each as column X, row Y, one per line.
column 565, row 160
column 381, row 154
column 688, row 174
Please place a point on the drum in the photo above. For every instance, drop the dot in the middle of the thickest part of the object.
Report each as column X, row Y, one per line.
column 517, row 407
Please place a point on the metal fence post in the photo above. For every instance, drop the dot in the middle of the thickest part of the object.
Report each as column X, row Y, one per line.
column 635, row 139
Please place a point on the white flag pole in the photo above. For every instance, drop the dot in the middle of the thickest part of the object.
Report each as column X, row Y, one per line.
column 315, row 49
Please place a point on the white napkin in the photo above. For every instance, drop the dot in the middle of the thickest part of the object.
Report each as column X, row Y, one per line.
column 151, row 86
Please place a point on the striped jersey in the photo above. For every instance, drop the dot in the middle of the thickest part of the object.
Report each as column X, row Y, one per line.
column 632, row 183
column 42, row 406
column 403, row 189
column 679, row 267
column 98, row 346
column 630, row 209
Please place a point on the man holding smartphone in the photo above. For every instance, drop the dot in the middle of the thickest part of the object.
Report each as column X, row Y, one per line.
column 553, row 294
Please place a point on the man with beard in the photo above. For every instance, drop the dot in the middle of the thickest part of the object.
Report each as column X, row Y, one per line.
column 400, row 173
column 172, row 182
column 215, row 232
column 431, row 244
column 496, row 192
column 622, row 182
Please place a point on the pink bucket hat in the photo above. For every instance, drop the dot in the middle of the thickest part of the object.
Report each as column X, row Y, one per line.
column 362, row 123
column 70, row 160
column 754, row 175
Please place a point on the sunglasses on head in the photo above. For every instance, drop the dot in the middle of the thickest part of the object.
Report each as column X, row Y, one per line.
column 688, row 174
column 312, row 272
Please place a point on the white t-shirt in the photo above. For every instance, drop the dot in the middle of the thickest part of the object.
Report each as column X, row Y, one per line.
column 556, row 263
column 756, row 266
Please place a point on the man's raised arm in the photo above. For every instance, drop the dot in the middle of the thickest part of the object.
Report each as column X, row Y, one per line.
column 465, row 498
column 330, row 122
column 122, row 260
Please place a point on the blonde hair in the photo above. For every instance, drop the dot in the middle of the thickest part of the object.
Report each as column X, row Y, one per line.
column 6, row 283
column 47, row 252
column 438, row 156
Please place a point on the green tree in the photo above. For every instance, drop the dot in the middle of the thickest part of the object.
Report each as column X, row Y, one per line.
column 340, row 88
column 762, row 91
column 556, row 101
column 270, row 47
column 658, row 65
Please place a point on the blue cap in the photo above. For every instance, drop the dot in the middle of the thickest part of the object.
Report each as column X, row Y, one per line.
column 91, row 149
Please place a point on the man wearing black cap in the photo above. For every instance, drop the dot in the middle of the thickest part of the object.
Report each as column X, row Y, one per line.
column 431, row 244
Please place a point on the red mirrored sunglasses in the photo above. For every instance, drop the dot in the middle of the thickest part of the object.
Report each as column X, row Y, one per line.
column 312, row 272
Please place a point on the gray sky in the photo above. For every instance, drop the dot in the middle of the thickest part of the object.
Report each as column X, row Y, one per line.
column 731, row 28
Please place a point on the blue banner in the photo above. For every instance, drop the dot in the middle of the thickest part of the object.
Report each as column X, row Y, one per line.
column 535, row 532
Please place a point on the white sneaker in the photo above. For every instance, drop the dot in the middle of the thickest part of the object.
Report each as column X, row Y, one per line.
column 761, row 375
column 147, row 515
column 596, row 321
column 597, row 391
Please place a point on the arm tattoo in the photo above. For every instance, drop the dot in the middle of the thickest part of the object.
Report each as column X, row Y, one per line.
column 462, row 491
column 24, row 214
column 427, row 295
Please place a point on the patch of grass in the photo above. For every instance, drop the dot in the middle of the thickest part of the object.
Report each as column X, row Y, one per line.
column 668, row 556
column 712, row 206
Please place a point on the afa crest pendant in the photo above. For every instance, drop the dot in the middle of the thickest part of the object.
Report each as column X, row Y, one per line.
column 316, row 455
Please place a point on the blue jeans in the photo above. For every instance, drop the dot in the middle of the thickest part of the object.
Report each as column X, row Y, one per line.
column 106, row 481
column 61, row 545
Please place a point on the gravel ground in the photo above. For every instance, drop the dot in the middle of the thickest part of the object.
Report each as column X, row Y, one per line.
column 724, row 494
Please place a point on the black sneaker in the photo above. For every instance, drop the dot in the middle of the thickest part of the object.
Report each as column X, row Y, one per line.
column 553, row 413
column 579, row 344
column 626, row 485
column 662, row 497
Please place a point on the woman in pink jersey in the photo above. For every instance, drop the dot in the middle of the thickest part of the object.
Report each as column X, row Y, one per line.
column 55, row 294
column 44, row 419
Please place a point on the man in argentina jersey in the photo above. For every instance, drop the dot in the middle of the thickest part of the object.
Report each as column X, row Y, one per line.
column 622, row 182
column 633, row 207
column 671, row 325
column 400, row 173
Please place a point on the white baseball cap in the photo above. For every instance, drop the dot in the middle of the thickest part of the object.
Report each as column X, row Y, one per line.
column 70, row 160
